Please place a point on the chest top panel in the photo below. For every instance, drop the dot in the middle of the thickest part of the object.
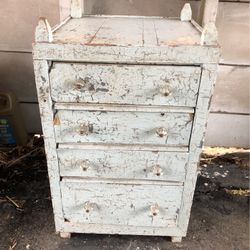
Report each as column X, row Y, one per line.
column 127, row 31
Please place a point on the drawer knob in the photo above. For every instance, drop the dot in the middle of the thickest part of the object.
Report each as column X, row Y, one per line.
column 79, row 85
column 165, row 91
column 154, row 210
column 85, row 165
column 157, row 170
column 161, row 132
column 84, row 129
column 89, row 206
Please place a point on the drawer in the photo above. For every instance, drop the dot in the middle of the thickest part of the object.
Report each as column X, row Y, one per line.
column 125, row 84
column 170, row 129
column 120, row 204
column 123, row 164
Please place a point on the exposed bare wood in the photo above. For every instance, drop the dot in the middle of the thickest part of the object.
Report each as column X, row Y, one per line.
column 176, row 239
column 65, row 235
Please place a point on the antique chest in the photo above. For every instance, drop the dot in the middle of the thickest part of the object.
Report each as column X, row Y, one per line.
column 124, row 104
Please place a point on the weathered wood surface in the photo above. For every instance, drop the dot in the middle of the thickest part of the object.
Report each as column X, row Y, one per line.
column 127, row 31
column 124, row 84
column 170, row 129
column 122, row 164
column 45, row 104
column 77, row 8
column 43, row 31
column 121, row 230
column 209, row 11
column 117, row 204
column 123, row 147
column 186, row 12
column 124, row 107
column 208, row 79
column 118, row 54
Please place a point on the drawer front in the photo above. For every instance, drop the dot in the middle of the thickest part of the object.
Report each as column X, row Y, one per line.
column 123, row 127
column 144, row 165
column 124, row 84
column 119, row 204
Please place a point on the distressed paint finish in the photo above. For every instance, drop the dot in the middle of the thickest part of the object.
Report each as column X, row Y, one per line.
column 122, row 158
column 184, row 54
column 208, row 80
column 170, row 129
column 45, row 104
column 125, row 84
column 121, row 164
column 118, row 204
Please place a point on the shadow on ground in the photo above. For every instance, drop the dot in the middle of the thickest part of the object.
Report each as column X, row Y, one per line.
column 219, row 218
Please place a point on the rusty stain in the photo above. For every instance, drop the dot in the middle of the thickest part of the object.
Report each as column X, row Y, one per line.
column 56, row 120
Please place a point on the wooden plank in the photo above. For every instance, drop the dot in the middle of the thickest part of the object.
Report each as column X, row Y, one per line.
column 228, row 130
column 169, row 129
column 41, row 69
column 232, row 92
column 124, row 31
column 208, row 79
column 121, row 164
column 124, row 147
column 118, row 230
column 140, row 55
column 209, row 12
column 122, row 108
column 174, row 32
column 78, row 30
column 234, row 32
column 117, row 204
column 124, row 84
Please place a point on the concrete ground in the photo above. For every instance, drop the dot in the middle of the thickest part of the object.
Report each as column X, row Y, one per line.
column 219, row 218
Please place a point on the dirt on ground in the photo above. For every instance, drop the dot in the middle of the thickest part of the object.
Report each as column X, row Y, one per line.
column 219, row 218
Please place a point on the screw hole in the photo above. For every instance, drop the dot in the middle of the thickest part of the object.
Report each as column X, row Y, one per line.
column 162, row 114
column 158, row 174
column 87, row 210
column 154, row 214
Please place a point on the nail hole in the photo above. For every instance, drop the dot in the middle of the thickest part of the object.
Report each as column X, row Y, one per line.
column 145, row 170
column 158, row 174
column 154, row 214
column 162, row 114
column 87, row 210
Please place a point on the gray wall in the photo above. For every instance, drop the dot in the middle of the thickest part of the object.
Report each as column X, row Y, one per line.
column 229, row 119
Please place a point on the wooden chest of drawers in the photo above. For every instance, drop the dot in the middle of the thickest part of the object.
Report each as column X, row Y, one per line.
column 124, row 104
